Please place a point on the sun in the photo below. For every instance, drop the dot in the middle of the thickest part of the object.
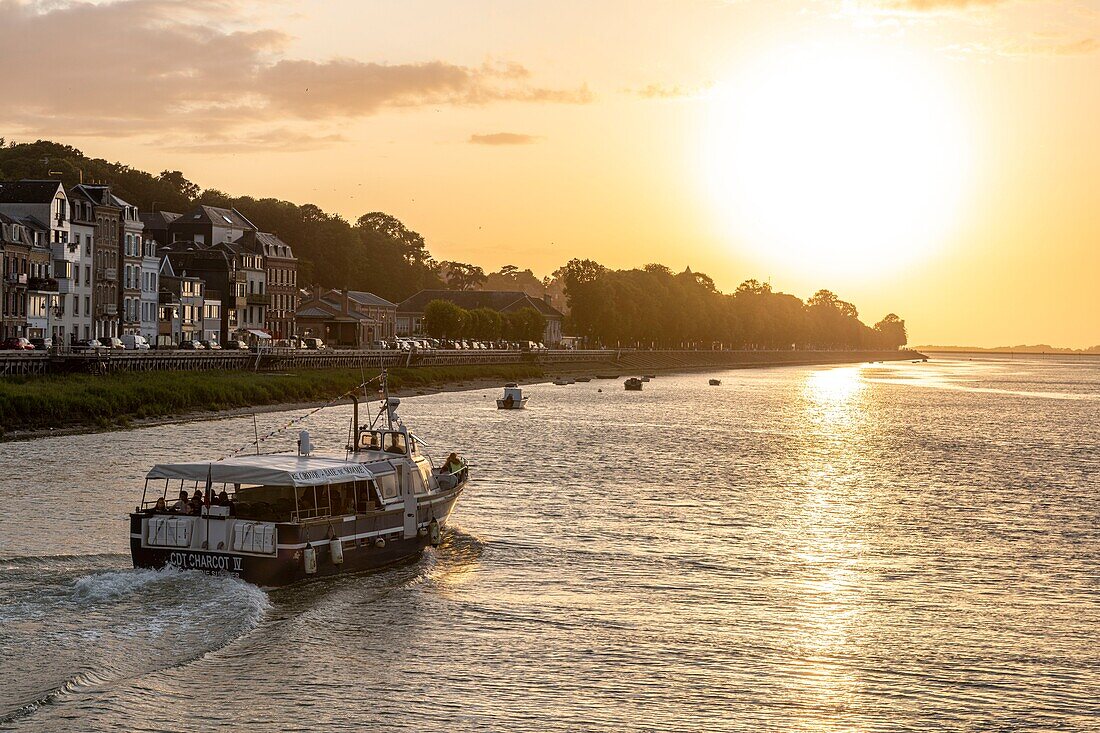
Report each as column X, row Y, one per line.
column 836, row 159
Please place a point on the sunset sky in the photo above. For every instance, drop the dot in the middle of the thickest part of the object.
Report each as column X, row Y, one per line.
column 934, row 158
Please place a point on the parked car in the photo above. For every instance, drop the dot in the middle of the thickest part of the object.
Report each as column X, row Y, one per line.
column 188, row 345
column 42, row 344
column 135, row 342
column 235, row 345
column 89, row 345
column 210, row 345
column 314, row 344
column 17, row 343
column 111, row 342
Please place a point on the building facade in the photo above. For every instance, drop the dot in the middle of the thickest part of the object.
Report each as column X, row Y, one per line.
column 131, row 254
column 349, row 318
column 82, row 239
column 106, row 258
column 281, row 276
column 218, row 268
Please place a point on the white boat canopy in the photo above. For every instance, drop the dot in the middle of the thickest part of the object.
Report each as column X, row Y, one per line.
column 267, row 470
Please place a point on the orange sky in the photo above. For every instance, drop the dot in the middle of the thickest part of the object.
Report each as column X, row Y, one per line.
column 937, row 158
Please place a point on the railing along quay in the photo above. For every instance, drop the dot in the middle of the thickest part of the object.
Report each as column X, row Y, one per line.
column 111, row 361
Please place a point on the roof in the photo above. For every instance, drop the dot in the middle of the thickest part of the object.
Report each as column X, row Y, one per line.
column 28, row 191
column 158, row 219
column 282, row 469
column 498, row 300
column 98, row 194
column 217, row 216
column 266, row 244
column 313, row 313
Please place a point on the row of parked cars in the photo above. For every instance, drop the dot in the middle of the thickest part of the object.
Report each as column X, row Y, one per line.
column 129, row 342
column 408, row 344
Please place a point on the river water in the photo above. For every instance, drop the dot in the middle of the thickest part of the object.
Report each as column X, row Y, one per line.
column 858, row 548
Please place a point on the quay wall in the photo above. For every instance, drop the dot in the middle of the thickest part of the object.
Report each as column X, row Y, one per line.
column 30, row 364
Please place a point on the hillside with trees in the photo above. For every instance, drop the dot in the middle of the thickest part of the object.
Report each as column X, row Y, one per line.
column 378, row 253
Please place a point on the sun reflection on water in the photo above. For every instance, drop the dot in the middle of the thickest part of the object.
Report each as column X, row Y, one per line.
column 828, row 605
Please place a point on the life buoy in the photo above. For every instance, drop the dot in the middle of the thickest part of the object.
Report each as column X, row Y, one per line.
column 434, row 535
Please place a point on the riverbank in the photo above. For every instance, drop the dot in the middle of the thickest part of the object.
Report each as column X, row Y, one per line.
column 79, row 403
column 69, row 404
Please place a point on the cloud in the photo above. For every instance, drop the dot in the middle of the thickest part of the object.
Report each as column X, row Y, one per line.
column 158, row 67
column 934, row 5
column 661, row 91
column 1037, row 45
column 503, row 138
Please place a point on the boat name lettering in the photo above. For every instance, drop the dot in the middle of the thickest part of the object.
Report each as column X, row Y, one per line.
column 330, row 472
column 202, row 561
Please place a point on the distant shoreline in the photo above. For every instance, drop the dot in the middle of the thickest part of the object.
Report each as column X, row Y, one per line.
column 999, row 351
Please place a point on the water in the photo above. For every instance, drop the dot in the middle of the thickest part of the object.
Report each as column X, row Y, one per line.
column 867, row 548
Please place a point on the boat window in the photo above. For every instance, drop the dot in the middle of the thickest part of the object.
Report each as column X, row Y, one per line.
column 395, row 443
column 388, row 485
column 370, row 440
column 267, row 503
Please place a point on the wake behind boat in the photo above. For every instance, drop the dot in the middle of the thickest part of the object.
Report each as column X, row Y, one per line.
column 279, row 518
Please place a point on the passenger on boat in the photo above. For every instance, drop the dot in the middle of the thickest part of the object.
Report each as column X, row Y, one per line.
column 396, row 444
column 374, row 444
column 160, row 506
column 454, row 464
column 306, row 502
column 182, row 505
column 196, row 502
column 224, row 500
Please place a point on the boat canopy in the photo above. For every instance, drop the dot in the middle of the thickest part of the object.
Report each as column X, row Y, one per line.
column 268, row 470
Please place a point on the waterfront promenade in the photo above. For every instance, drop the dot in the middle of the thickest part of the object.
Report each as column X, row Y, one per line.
column 108, row 362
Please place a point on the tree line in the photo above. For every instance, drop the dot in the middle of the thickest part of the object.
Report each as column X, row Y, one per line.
column 654, row 307
column 446, row 320
column 378, row 253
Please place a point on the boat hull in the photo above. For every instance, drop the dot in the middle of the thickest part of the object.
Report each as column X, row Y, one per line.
column 368, row 542
column 515, row 404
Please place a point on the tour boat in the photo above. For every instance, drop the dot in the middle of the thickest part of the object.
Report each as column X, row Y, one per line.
column 293, row 516
column 715, row 382
column 513, row 398
column 633, row 384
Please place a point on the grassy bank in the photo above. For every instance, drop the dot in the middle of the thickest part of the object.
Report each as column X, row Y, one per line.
column 77, row 400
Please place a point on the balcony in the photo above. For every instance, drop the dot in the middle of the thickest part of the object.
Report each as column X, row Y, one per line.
column 44, row 284
column 257, row 299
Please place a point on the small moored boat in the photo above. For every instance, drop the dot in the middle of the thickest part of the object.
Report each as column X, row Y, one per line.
column 279, row 518
column 715, row 382
column 633, row 384
column 513, row 398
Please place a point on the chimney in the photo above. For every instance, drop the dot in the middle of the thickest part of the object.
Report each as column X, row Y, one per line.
column 347, row 301
column 546, row 297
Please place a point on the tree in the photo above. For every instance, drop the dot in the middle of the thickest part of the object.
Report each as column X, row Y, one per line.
column 486, row 324
column 444, row 320
column 526, row 324
column 175, row 179
column 461, row 276
column 891, row 332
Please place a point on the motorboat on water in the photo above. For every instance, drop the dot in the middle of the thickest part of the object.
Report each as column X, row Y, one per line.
column 288, row 517
column 644, row 379
column 633, row 384
column 715, row 382
column 513, row 398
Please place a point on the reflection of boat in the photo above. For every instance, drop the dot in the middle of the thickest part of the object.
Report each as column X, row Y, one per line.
column 715, row 382
column 513, row 398
column 633, row 384
column 287, row 517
